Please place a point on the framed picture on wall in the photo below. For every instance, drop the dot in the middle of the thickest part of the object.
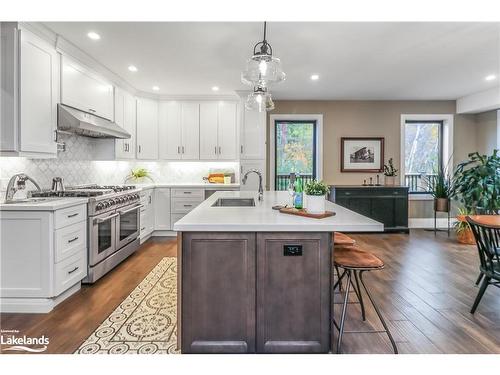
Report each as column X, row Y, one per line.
column 360, row 154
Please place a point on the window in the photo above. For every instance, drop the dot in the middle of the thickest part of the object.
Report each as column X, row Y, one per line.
column 423, row 153
column 295, row 151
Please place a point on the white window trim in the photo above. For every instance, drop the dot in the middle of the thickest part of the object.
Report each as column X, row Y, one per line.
column 447, row 120
column 319, row 142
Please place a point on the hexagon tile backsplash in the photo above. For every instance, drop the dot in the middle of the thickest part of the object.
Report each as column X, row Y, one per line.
column 76, row 167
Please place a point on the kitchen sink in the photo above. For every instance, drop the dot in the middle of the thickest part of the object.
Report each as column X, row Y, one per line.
column 234, row 202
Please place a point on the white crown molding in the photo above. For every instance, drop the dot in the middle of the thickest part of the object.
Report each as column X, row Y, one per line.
column 482, row 101
column 193, row 97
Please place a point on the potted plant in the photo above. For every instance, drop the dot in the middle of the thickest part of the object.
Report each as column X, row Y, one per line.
column 464, row 232
column 440, row 187
column 390, row 173
column 316, row 196
column 139, row 175
column 476, row 183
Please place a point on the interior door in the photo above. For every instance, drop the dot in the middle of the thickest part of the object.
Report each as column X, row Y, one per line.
column 227, row 131
column 170, row 132
column 39, row 91
column 190, row 130
column 209, row 118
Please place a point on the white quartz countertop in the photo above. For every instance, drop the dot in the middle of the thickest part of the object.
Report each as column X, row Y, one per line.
column 50, row 204
column 262, row 218
column 199, row 185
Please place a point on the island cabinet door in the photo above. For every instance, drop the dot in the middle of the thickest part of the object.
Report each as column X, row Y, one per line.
column 293, row 292
column 218, row 293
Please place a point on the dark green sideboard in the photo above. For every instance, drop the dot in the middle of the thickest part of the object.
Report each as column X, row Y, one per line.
column 386, row 204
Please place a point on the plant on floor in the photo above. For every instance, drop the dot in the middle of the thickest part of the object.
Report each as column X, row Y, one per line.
column 476, row 183
column 139, row 174
column 440, row 186
column 461, row 226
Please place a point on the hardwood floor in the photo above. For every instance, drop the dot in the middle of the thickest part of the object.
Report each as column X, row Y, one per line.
column 425, row 292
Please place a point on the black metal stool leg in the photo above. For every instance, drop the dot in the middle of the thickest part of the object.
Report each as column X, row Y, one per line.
column 479, row 278
column 393, row 343
column 339, row 281
column 360, row 296
column 482, row 289
column 344, row 310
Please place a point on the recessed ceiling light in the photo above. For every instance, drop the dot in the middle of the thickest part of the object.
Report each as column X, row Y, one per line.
column 491, row 77
column 215, row 88
column 314, row 77
column 93, row 35
column 156, row 88
column 132, row 68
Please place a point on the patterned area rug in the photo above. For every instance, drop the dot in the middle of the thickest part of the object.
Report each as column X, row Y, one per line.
column 145, row 322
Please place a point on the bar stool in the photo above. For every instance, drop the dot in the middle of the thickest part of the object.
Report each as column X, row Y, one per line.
column 355, row 262
column 344, row 241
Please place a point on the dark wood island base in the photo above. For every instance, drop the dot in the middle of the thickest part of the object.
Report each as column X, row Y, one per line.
column 254, row 292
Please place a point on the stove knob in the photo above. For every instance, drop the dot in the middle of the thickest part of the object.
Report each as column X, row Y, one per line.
column 122, row 199
column 99, row 206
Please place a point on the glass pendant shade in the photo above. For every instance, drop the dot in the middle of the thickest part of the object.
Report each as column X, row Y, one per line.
column 259, row 100
column 263, row 70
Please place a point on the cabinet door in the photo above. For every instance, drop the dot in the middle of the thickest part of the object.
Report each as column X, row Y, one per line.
column 170, row 131
column 162, row 209
column 209, row 117
column 129, row 123
column 227, row 133
column 150, row 213
column 401, row 212
column 253, row 135
column 39, row 92
column 85, row 90
column 119, row 118
column 293, row 292
column 383, row 210
column 147, row 129
column 190, row 131
column 218, row 292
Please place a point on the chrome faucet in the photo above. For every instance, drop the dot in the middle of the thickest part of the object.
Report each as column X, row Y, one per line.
column 261, row 190
column 16, row 183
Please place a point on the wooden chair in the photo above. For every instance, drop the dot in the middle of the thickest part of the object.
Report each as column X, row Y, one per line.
column 487, row 238
column 355, row 262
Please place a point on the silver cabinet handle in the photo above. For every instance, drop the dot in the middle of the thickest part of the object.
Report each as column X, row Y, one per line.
column 178, row 149
column 102, row 220
column 182, row 149
column 215, row 150
column 72, row 215
column 123, row 212
column 150, row 201
column 187, row 192
column 143, row 228
column 241, row 149
column 91, row 110
column 220, row 150
column 139, row 148
column 188, row 205
column 73, row 270
column 73, row 239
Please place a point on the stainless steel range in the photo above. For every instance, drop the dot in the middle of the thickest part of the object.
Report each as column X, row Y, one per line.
column 113, row 224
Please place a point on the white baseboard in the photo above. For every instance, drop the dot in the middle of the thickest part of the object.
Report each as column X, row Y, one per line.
column 428, row 223
column 35, row 305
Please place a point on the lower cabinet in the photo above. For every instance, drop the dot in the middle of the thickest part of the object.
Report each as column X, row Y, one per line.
column 147, row 218
column 162, row 209
column 255, row 292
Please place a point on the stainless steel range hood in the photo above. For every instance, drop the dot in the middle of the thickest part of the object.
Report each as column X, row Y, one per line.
column 75, row 121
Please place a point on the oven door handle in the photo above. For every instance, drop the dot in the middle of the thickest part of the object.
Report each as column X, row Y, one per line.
column 102, row 220
column 130, row 209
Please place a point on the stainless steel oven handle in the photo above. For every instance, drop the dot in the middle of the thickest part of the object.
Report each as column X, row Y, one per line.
column 102, row 220
column 130, row 209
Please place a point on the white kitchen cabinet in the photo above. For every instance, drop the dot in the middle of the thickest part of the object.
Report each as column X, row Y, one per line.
column 147, row 129
column 218, row 130
column 43, row 268
column 162, row 208
column 147, row 215
column 30, row 92
column 252, row 135
column 179, row 127
column 85, row 90
column 125, row 116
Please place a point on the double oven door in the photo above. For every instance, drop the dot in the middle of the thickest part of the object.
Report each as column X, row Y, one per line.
column 110, row 231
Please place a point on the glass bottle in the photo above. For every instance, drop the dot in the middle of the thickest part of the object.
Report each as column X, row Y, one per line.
column 298, row 198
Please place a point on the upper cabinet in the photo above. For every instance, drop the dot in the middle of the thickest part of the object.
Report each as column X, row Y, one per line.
column 147, row 129
column 179, row 127
column 86, row 91
column 30, row 91
column 218, row 130
column 125, row 116
column 253, row 135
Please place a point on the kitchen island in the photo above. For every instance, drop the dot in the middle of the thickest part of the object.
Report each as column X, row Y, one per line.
column 254, row 280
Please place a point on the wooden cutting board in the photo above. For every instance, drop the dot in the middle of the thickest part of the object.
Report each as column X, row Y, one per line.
column 303, row 213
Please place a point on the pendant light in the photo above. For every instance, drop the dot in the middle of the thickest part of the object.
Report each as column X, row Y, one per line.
column 259, row 100
column 263, row 69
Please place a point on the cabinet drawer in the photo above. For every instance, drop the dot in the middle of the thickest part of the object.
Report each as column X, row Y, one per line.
column 70, row 215
column 70, row 271
column 368, row 192
column 180, row 206
column 176, row 217
column 69, row 240
column 188, row 193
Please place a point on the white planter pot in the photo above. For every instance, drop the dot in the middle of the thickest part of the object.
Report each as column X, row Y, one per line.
column 316, row 204
column 390, row 180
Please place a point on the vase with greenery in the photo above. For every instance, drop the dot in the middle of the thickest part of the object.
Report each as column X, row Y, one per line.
column 139, row 175
column 316, row 196
column 440, row 186
column 390, row 173
column 476, row 183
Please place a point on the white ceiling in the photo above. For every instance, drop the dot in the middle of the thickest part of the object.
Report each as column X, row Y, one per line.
column 353, row 60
